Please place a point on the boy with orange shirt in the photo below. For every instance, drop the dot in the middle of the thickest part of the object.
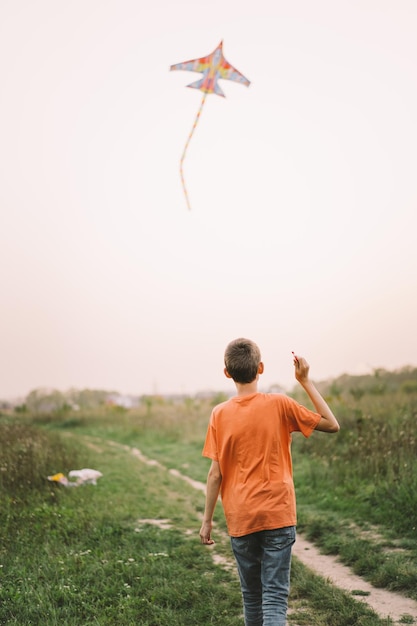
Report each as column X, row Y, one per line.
column 249, row 443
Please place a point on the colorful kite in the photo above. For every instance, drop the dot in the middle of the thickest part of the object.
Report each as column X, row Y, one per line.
column 213, row 67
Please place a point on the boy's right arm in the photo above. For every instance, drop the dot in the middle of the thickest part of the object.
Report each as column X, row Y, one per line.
column 328, row 422
column 214, row 481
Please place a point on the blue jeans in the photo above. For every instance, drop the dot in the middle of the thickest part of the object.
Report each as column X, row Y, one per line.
column 264, row 562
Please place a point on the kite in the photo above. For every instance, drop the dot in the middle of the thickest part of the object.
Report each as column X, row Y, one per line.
column 213, row 67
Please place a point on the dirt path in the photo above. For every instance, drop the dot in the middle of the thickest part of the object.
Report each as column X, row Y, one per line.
column 385, row 603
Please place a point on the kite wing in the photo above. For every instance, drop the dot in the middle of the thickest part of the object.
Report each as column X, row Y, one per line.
column 228, row 72
column 213, row 67
column 196, row 65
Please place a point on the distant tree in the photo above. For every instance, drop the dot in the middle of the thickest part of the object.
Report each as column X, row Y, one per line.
column 219, row 397
column 378, row 389
column 20, row 408
column 409, row 386
column 88, row 398
column 356, row 393
column 44, row 401
column 148, row 401
column 335, row 390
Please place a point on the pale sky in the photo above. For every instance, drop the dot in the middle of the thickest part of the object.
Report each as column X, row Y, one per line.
column 302, row 233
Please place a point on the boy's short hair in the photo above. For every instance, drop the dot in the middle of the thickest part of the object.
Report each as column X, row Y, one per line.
column 241, row 359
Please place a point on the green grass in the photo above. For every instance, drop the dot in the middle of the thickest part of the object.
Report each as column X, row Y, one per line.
column 80, row 556
column 357, row 491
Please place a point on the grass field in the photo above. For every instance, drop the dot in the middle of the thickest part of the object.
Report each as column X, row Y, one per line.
column 95, row 555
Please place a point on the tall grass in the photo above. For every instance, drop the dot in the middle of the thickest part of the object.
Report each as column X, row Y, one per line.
column 371, row 465
column 357, row 491
column 86, row 555
column 82, row 556
column 369, row 469
column 27, row 456
column 158, row 427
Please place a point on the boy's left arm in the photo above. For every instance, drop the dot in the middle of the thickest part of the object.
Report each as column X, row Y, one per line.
column 214, row 481
column 328, row 423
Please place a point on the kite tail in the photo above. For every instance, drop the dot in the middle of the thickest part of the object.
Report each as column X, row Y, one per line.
column 197, row 117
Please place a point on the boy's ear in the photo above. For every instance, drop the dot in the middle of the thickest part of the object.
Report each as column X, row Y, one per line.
column 226, row 373
column 261, row 368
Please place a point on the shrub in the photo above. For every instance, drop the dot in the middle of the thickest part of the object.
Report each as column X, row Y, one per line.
column 27, row 456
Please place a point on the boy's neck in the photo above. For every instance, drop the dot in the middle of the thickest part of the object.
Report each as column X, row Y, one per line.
column 247, row 389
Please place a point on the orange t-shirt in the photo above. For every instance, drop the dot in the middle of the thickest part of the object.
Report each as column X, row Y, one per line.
column 250, row 437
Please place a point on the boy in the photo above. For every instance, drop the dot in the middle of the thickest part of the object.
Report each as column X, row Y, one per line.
column 249, row 443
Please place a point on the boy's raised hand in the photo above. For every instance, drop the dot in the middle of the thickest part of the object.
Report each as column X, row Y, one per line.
column 301, row 369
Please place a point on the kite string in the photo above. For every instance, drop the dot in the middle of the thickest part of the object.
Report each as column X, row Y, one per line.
column 197, row 117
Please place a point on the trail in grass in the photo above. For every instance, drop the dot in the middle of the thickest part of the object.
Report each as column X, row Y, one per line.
column 385, row 603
